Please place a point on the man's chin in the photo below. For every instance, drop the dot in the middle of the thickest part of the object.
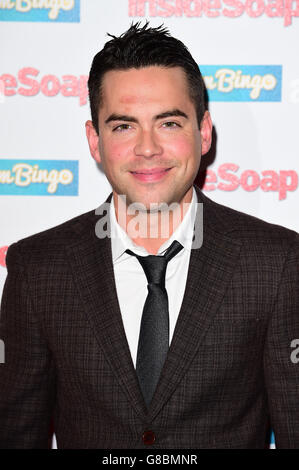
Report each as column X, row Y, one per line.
column 149, row 205
column 151, row 202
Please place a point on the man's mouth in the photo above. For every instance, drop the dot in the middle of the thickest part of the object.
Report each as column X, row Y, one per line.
column 152, row 171
column 150, row 175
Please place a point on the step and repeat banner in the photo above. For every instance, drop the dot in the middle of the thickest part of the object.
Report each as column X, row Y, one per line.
column 247, row 51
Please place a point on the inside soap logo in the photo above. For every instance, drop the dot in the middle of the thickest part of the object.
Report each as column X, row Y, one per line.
column 230, row 177
column 3, row 251
column 286, row 9
column 65, row 11
column 28, row 83
column 39, row 177
column 243, row 82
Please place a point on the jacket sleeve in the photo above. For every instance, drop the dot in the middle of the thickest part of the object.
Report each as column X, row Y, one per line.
column 27, row 376
column 281, row 368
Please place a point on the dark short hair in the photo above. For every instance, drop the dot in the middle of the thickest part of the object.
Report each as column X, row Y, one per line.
column 143, row 47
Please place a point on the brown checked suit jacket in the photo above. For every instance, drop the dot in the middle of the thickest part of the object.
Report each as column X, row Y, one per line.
column 228, row 376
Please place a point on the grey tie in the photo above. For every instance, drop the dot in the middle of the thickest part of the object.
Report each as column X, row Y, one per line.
column 153, row 341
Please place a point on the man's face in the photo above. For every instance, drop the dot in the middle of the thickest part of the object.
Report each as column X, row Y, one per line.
column 149, row 142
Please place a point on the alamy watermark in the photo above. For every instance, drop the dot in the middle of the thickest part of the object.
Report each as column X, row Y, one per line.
column 295, row 353
column 159, row 221
column 2, row 352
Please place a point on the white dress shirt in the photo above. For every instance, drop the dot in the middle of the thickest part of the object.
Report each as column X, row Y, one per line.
column 130, row 279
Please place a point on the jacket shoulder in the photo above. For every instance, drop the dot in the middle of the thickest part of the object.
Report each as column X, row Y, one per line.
column 246, row 228
column 48, row 243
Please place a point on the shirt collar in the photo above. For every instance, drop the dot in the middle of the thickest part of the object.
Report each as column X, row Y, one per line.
column 120, row 241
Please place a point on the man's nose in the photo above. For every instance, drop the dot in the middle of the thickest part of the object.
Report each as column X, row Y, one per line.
column 147, row 144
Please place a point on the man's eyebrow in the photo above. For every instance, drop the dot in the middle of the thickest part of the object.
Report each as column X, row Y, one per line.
column 120, row 117
column 166, row 114
column 172, row 112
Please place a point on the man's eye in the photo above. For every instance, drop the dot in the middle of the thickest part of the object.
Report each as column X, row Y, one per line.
column 121, row 127
column 171, row 124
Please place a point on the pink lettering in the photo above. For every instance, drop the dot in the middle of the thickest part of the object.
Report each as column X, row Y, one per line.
column 179, row 8
column 3, row 251
column 250, row 180
column 274, row 8
column 214, row 8
column 284, row 186
column 210, row 178
column 255, row 180
column 192, row 8
column 70, row 85
column 271, row 183
column 33, row 84
column 83, row 91
column 54, row 88
column 9, row 81
column 137, row 7
column 209, row 5
column 238, row 8
column 223, row 173
column 132, row 7
column 289, row 12
column 168, row 9
column 252, row 10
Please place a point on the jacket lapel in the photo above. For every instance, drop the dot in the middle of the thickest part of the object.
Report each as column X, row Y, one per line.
column 91, row 263
column 210, row 269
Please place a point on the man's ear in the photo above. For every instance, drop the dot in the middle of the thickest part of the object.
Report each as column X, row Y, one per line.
column 206, row 127
column 93, row 141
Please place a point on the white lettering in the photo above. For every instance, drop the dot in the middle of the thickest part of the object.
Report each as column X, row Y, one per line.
column 24, row 6
column 7, row 4
column 5, row 177
column 225, row 80
column 26, row 174
column 229, row 79
column 22, row 170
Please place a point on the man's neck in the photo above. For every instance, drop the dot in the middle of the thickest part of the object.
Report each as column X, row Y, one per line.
column 151, row 229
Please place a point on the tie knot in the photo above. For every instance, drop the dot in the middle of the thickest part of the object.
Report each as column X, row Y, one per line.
column 154, row 266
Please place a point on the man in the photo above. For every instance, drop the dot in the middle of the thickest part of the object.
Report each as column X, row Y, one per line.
column 134, row 340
